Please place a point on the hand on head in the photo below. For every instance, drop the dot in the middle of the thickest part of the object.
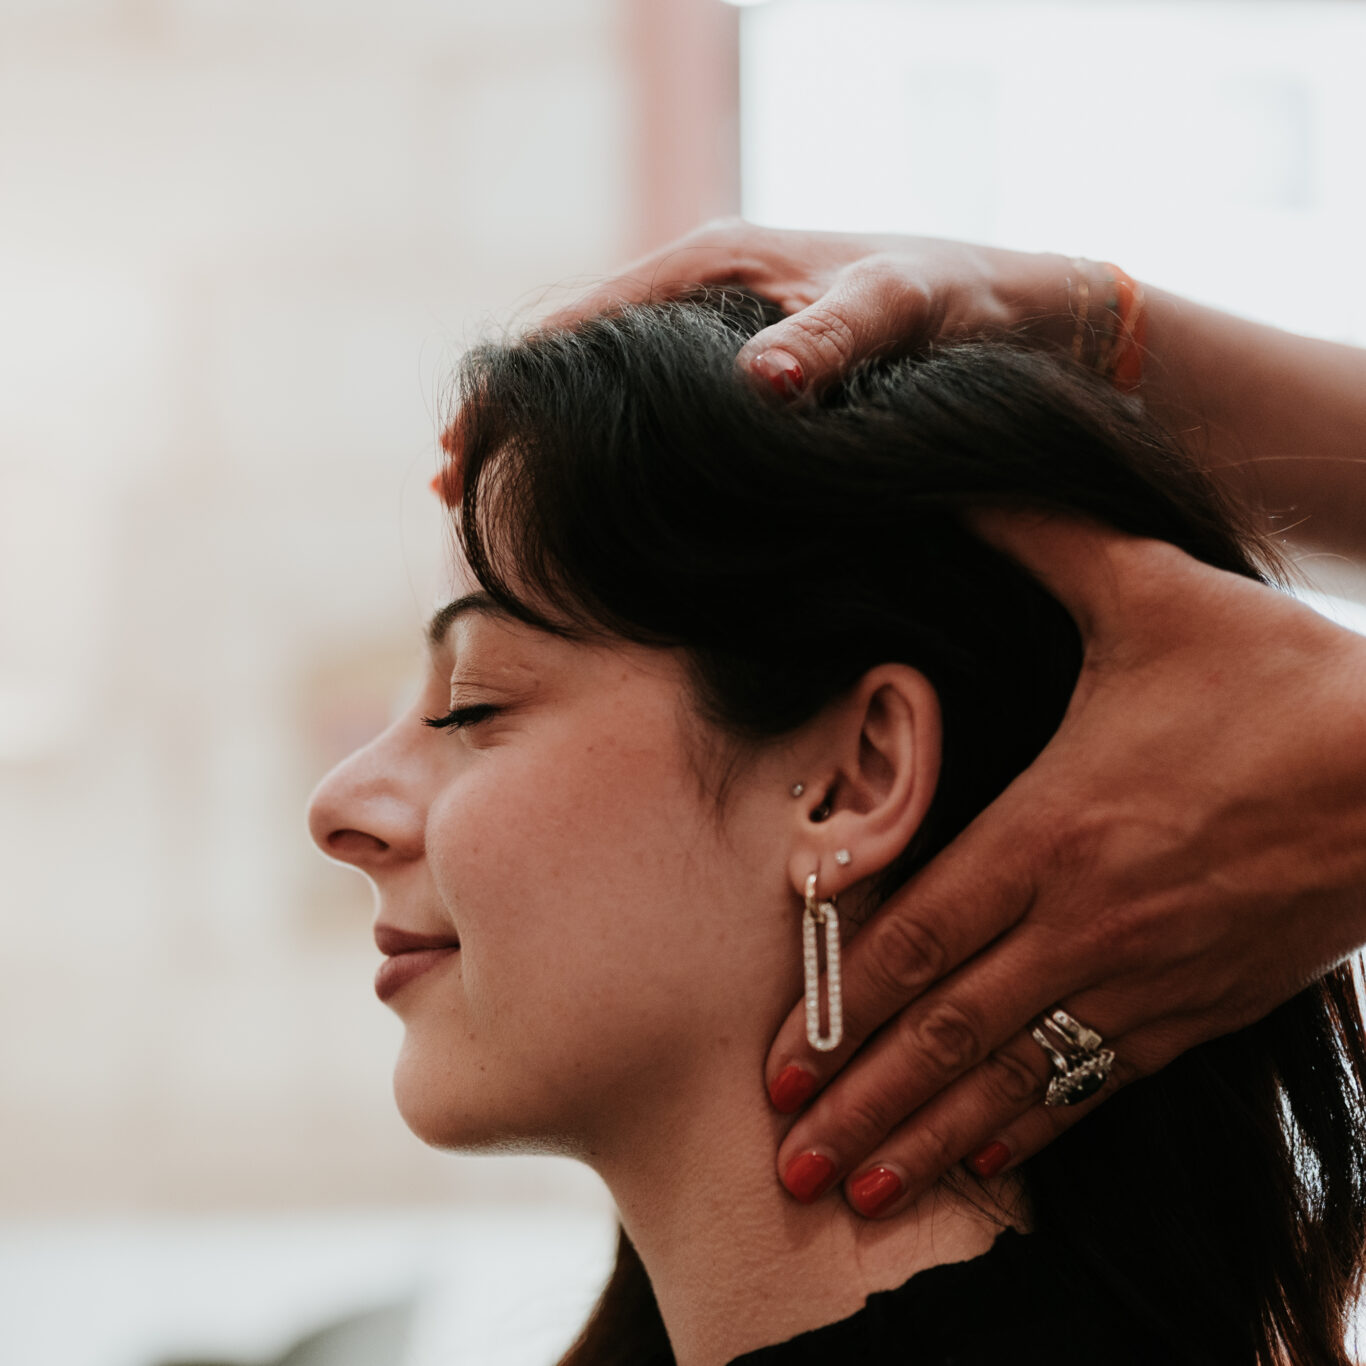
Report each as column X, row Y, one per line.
column 849, row 297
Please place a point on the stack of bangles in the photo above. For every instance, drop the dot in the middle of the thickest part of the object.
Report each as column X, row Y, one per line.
column 1111, row 322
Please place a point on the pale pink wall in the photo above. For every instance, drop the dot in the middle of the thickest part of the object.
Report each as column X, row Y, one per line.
column 240, row 243
column 686, row 101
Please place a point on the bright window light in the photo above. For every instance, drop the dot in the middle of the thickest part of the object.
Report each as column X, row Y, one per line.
column 1213, row 148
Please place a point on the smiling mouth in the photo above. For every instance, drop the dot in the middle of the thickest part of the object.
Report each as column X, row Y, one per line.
column 401, row 968
column 392, row 941
column 407, row 956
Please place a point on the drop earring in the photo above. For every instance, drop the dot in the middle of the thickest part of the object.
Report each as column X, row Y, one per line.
column 815, row 913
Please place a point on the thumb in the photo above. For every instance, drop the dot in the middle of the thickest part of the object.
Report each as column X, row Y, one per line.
column 867, row 311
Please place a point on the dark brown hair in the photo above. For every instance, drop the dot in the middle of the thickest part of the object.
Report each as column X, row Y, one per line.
column 621, row 479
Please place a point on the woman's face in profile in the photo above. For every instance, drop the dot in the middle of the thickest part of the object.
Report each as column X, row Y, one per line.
column 612, row 929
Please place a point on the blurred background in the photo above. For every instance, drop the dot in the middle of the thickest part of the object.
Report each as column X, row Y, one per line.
column 241, row 243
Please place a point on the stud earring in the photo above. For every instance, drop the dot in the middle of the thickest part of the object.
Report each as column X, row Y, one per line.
column 817, row 912
column 843, row 857
column 797, row 789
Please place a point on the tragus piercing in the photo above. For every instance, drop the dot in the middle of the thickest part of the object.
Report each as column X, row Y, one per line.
column 817, row 912
column 843, row 857
column 797, row 789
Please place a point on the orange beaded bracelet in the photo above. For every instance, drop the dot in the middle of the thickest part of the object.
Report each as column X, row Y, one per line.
column 1122, row 361
column 1110, row 328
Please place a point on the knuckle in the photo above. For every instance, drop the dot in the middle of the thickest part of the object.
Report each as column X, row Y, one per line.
column 826, row 333
column 884, row 274
column 868, row 1118
column 1130, row 938
column 1139, row 937
column 948, row 1037
column 723, row 228
column 1092, row 828
column 1010, row 1080
column 1073, row 839
column 935, row 1152
column 889, row 284
column 908, row 956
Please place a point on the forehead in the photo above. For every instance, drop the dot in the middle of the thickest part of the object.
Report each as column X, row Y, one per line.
column 466, row 601
column 469, row 606
column 466, row 607
column 463, row 598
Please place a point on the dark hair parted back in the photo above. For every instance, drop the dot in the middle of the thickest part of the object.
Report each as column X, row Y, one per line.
column 621, row 478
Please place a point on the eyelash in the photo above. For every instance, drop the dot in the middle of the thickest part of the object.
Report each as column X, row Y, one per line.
column 460, row 717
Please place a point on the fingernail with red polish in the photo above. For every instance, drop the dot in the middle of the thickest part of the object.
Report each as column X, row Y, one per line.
column 875, row 1190
column 791, row 1089
column 781, row 370
column 986, row 1162
column 808, row 1177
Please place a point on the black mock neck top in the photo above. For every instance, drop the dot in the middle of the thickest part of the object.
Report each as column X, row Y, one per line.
column 1024, row 1302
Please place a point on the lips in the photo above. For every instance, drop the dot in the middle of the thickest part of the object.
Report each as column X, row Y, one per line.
column 408, row 956
column 391, row 940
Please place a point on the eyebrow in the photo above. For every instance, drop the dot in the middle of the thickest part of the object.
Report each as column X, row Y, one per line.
column 444, row 616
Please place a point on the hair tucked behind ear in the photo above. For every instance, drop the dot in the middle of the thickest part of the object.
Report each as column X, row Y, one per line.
column 620, row 479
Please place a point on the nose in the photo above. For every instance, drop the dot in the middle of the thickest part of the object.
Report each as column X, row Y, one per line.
column 365, row 812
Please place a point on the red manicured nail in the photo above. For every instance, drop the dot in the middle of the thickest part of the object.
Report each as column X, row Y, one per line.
column 808, row 1177
column 875, row 1190
column 781, row 370
column 791, row 1089
column 989, row 1160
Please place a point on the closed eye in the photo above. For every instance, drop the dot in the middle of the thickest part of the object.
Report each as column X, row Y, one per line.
column 460, row 717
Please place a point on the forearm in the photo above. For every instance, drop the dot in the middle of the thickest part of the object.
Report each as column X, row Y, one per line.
column 1279, row 419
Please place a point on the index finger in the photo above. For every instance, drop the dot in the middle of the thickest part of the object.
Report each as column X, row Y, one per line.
column 646, row 281
column 719, row 253
column 967, row 896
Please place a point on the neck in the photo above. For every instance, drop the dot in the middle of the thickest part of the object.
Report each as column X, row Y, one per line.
column 735, row 1263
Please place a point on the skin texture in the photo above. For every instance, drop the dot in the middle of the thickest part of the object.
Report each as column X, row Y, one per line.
column 628, row 947
column 1190, row 850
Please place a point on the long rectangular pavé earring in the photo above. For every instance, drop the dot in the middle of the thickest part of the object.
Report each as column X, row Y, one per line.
column 816, row 913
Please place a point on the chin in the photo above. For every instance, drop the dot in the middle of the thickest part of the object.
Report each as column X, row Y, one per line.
column 442, row 1107
column 471, row 1109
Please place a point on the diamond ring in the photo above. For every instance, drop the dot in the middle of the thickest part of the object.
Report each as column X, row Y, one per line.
column 1080, row 1064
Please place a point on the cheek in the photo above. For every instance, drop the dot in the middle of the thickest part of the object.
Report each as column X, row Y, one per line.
column 615, row 941
column 573, row 871
column 587, row 882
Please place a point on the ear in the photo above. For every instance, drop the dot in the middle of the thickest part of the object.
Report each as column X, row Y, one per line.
column 878, row 750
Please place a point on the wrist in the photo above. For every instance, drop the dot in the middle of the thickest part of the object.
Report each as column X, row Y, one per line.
column 1035, row 289
column 1091, row 309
